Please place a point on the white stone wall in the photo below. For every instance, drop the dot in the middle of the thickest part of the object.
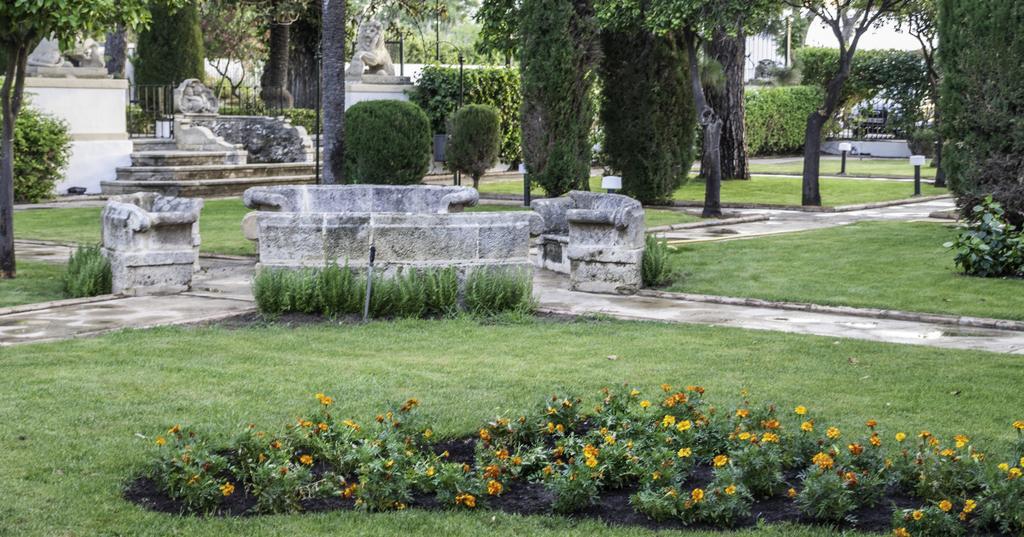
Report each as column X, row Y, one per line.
column 95, row 112
column 358, row 92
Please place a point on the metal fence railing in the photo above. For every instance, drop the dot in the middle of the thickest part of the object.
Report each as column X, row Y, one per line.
column 150, row 111
column 871, row 124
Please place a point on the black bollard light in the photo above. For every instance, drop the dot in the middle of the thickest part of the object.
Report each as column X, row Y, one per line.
column 526, row 185
column 844, row 148
column 917, row 161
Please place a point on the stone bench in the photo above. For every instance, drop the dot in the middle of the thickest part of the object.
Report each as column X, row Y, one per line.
column 411, row 227
column 152, row 242
column 598, row 239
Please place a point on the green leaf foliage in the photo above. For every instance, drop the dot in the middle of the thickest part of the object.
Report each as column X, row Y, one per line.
column 647, row 112
column 438, row 94
column 388, row 143
column 171, row 49
column 88, row 273
column 42, row 149
column 475, row 140
column 559, row 47
column 776, row 118
column 982, row 102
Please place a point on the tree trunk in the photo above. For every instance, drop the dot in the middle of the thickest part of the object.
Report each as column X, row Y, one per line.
column 332, row 44
column 811, row 194
column 10, row 104
column 117, row 51
column 731, row 53
column 274, row 93
column 302, row 79
column 940, row 173
column 712, row 127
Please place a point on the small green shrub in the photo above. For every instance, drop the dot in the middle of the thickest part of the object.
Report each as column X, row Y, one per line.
column 929, row 521
column 387, row 142
column 922, row 142
column 776, row 118
column 654, row 266
column 490, row 292
column 88, row 273
column 475, row 141
column 990, row 246
column 42, row 149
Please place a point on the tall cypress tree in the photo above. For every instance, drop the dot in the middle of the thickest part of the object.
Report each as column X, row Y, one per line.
column 171, row 49
column 559, row 50
column 647, row 111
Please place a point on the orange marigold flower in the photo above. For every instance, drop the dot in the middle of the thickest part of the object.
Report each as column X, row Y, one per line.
column 855, row 449
column 306, row 460
column 517, row 460
column 771, row 424
column 501, row 454
column 961, row 441
column 730, row 490
column 695, row 389
column 665, row 388
column 485, row 435
column 945, row 506
column 409, row 404
column 174, row 430
column 875, row 440
column 871, row 424
column 493, row 488
column 492, row 471
column 850, row 478
column 742, row 413
column 791, row 492
column 465, row 499
column 697, row 495
column 276, row 444
column 720, row 461
column 227, row 489
column 322, row 426
column 900, row 532
column 823, row 460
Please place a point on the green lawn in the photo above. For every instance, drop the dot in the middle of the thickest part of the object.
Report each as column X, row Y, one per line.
column 36, row 282
column 854, row 167
column 220, row 225
column 654, row 217
column 71, row 413
column 768, row 190
column 871, row 264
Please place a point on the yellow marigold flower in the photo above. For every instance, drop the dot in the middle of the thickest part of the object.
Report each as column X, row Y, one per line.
column 634, row 392
column 945, row 505
column 590, row 462
column 160, row 440
column 684, row 452
column 744, row 436
column 656, row 475
column 961, row 441
column 174, row 430
column 492, row 471
column 1019, row 425
column 730, row 490
column 645, row 403
column 609, row 439
column 193, row 480
column 668, row 421
column 326, row 401
column 306, row 460
column 969, row 506
column 227, row 489
column 720, row 461
column 770, row 438
column 351, row 424
column 465, row 499
column 551, row 428
column 1004, row 467
column 901, row 436
column 742, row 413
column 1014, row 473
column 900, row 532
column 493, row 488
column 305, row 424
column 665, row 388
column 548, row 470
column 686, row 424
column 428, row 433
column 485, row 435
column 871, row 424
column 917, row 515
column 262, row 458
column 800, row 410
column 590, row 451
column 807, row 426
column 947, row 452
column 823, row 460
column 791, row 492
column 697, row 495
column 560, row 428
column 517, row 460
column 430, row 471
column 924, row 434
column 833, row 433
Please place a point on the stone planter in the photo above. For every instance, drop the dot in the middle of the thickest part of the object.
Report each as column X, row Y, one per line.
column 598, row 239
column 152, row 242
column 411, row 227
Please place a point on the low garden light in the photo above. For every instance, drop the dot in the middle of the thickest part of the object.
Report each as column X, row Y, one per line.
column 611, row 183
column 917, row 161
column 844, row 148
column 526, row 185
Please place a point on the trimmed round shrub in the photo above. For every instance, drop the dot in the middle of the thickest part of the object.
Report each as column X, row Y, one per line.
column 171, row 48
column 387, row 143
column 42, row 148
column 475, row 140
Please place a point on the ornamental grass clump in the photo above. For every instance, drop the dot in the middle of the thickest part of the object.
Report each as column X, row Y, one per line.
column 654, row 266
column 491, row 292
column 684, row 459
column 88, row 273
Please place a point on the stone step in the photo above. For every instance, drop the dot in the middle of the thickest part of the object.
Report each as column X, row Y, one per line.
column 154, row 144
column 213, row 171
column 164, row 158
column 202, row 188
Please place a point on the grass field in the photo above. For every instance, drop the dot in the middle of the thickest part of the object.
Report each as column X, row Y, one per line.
column 36, row 282
column 871, row 264
column 769, row 190
column 77, row 418
column 854, row 167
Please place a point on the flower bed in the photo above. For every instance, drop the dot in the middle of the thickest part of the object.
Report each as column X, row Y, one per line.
column 672, row 460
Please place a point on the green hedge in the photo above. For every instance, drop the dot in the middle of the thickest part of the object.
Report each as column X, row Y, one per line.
column 42, row 149
column 982, row 102
column 776, row 118
column 475, row 140
column 896, row 75
column 387, row 143
column 438, row 94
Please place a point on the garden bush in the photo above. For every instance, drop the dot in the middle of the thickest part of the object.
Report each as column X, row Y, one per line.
column 776, row 118
column 437, row 92
column 475, row 141
column 88, row 273
column 387, row 143
column 42, row 149
column 494, row 291
column 989, row 246
column 648, row 119
column 682, row 457
column 170, row 49
column 982, row 101
column 654, row 266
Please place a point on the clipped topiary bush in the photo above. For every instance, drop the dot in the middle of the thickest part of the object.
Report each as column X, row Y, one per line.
column 387, row 143
column 475, row 141
column 776, row 118
column 171, row 48
column 88, row 273
column 42, row 149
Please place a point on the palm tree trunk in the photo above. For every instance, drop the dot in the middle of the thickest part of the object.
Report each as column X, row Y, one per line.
column 332, row 76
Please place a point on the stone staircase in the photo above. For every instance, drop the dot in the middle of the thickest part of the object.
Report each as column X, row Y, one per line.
column 159, row 166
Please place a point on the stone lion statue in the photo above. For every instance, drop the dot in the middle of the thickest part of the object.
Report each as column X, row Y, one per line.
column 192, row 97
column 371, row 56
column 86, row 53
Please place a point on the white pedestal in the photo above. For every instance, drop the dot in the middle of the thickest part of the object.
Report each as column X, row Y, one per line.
column 357, row 92
column 95, row 112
